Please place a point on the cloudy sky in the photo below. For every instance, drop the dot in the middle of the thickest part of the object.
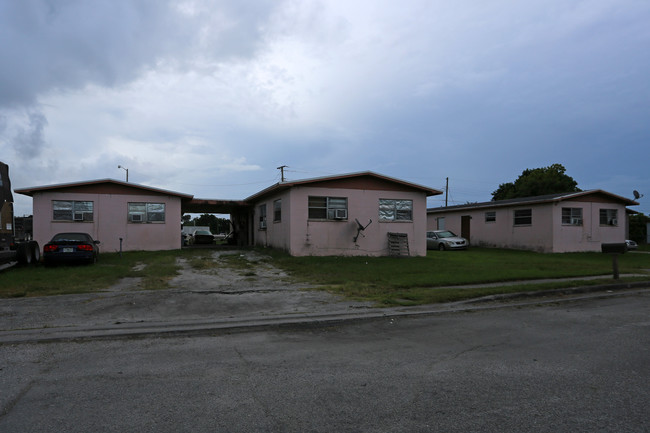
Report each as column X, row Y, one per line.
column 209, row 97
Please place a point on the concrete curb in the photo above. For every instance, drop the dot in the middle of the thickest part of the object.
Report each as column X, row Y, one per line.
column 559, row 292
column 250, row 324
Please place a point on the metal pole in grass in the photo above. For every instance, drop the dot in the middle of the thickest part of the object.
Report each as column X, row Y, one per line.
column 120, row 247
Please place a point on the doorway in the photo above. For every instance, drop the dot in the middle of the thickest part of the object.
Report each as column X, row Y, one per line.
column 465, row 226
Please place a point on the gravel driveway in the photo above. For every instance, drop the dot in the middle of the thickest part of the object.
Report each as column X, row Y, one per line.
column 258, row 290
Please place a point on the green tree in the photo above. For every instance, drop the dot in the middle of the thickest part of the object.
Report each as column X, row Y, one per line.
column 537, row 181
column 638, row 228
column 217, row 225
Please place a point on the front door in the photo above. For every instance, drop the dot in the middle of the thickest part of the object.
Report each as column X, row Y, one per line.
column 464, row 226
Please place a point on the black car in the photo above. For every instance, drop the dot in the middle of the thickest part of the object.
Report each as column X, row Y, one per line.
column 71, row 248
column 203, row 237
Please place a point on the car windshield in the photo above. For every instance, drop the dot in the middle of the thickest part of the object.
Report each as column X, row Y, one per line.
column 446, row 234
column 71, row 237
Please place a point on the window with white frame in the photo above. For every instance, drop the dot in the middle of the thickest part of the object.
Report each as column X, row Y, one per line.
column 72, row 210
column 140, row 212
column 395, row 210
column 523, row 217
column 327, row 208
column 277, row 211
column 490, row 216
column 608, row 217
column 440, row 223
column 262, row 217
column 572, row 216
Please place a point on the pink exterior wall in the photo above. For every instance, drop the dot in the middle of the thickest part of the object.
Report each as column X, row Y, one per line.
column 546, row 234
column 302, row 237
column 276, row 234
column 590, row 235
column 110, row 221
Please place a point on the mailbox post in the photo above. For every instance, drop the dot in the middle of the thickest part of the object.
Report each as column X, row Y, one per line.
column 614, row 249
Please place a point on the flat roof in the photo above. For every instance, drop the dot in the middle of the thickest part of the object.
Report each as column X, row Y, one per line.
column 209, row 205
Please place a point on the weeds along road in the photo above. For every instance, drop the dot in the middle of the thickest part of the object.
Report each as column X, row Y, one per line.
column 567, row 367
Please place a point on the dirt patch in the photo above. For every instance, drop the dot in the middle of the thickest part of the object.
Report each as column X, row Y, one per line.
column 232, row 272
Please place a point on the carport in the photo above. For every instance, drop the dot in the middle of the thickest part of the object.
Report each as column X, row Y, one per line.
column 241, row 215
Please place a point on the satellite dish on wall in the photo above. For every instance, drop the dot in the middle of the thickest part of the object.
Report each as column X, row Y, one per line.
column 637, row 195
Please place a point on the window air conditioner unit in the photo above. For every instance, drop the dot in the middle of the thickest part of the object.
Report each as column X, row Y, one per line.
column 78, row 217
column 613, row 222
column 576, row 221
column 340, row 214
column 136, row 218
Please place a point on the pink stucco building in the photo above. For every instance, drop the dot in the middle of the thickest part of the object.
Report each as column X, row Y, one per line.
column 323, row 216
column 144, row 218
column 307, row 217
column 555, row 223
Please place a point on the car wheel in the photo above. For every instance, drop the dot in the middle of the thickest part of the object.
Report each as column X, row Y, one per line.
column 25, row 254
column 36, row 252
column 441, row 247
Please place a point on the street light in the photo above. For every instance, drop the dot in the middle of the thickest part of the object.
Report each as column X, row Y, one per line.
column 127, row 171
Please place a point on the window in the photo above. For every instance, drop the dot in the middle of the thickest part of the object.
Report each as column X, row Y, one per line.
column 277, row 211
column 490, row 217
column 608, row 217
column 440, row 223
column 523, row 217
column 330, row 208
column 262, row 217
column 395, row 210
column 572, row 216
column 71, row 210
column 147, row 212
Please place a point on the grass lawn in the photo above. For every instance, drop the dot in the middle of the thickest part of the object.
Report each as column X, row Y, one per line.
column 430, row 279
column 154, row 268
column 383, row 280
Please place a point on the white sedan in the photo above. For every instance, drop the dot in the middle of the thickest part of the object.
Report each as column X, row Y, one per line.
column 445, row 240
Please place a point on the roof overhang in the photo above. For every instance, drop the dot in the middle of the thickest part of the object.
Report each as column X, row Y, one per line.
column 525, row 201
column 90, row 185
column 281, row 186
column 206, row 205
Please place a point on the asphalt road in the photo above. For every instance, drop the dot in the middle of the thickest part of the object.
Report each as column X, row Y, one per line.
column 581, row 366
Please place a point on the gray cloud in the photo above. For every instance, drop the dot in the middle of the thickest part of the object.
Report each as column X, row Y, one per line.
column 488, row 88
column 29, row 140
column 67, row 45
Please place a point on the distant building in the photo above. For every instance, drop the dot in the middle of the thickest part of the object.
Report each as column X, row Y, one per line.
column 554, row 223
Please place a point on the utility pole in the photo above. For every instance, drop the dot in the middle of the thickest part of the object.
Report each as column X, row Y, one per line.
column 281, row 168
column 446, row 192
